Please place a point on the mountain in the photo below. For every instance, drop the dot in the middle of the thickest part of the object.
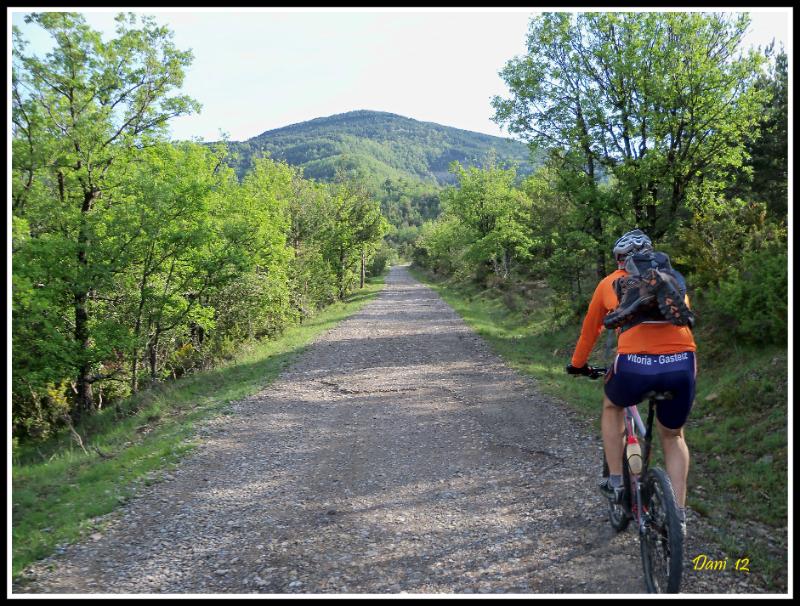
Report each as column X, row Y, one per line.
column 377, row 146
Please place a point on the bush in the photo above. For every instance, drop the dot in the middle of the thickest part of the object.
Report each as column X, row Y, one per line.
column 384, row 257
column 752, row 299
column 566, row 275
column 719, row 236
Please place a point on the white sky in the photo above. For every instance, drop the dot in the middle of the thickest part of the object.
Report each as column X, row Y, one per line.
column 255, row 71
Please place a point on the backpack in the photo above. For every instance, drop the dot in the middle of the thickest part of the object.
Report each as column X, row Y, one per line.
column 653, row 291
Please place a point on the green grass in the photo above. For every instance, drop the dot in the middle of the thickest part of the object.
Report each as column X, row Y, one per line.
column 737, row 430
column 58, row 491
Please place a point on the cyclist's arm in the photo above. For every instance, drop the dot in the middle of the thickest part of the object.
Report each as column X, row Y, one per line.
column 592, row 325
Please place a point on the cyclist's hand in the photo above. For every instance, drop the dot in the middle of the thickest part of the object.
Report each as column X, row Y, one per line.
column 578, row 370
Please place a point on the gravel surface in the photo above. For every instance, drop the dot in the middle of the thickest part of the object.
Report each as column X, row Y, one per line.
column 397, row 455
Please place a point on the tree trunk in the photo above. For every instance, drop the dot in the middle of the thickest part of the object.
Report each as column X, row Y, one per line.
column 136, row 332
column 84, row 399
column 637, row 206
column 652, row 213
column 495, row 266
column 363, row 267
column 600, row 259
column 152, row 353
column 135, row 371
column 341, row 271
column 600, row 266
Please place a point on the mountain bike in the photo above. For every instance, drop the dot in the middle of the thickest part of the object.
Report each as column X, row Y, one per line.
column 647, row 499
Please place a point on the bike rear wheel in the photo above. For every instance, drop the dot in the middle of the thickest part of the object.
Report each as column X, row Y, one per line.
column 662, row 541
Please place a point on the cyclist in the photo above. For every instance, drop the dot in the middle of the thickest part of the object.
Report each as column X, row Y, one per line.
column 650, row 355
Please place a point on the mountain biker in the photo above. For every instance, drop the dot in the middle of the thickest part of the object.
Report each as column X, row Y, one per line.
column 650, row 355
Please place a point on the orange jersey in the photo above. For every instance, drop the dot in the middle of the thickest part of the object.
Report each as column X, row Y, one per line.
column 651, row 338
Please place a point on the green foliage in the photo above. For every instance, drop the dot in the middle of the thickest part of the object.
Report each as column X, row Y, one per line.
column 488, row 205
column 765, row 175
column 566, row 275
column 751, row 298
column 485, row 216
column 78, row 116
column 720, row 234
column 400, row 161
column 737, row 261
column 202, row 263
column 137, row 260
column 660, row 100
column 383, row 258
column 354, row 231
column 441, row 246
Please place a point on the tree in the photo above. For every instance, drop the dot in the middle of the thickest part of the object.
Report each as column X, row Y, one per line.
column 662, row 101
column 311, row 276
column 550, row 108
column 765, row 176
column 489, row 207
column 176, row 192
column 77, row 113
column 355, row 231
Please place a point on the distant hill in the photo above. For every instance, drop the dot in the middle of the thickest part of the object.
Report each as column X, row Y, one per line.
column 378, row 146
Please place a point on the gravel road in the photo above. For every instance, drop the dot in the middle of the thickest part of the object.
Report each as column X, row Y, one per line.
column 397, row 455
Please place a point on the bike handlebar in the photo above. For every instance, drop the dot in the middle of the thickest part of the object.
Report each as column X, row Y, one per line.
column 593, row 372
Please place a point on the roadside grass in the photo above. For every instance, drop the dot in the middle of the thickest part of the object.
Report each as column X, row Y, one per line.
column 59, row 492
column 737, row 431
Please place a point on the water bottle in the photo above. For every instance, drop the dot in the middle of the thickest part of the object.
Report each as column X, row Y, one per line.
column 633, row 453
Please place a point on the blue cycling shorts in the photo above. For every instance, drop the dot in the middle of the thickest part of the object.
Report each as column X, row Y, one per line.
column 633, row 375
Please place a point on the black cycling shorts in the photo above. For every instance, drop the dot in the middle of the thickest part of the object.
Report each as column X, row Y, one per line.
column 633, row 375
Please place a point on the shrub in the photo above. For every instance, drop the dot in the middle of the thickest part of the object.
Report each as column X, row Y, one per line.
column 752, row 299
column 567, row 276
column 384, row 257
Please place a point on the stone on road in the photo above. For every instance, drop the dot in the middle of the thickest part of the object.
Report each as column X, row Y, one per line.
column 398, row 454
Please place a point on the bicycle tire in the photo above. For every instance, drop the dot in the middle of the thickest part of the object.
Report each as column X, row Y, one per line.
column 662, row 541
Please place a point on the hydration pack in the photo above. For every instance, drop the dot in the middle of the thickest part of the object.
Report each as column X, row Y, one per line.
column 653, row 291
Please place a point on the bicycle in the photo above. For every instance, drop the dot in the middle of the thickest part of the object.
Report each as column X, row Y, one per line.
column 648, row 499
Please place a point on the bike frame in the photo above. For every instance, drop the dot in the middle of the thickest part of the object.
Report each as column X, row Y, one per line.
column 632, row 421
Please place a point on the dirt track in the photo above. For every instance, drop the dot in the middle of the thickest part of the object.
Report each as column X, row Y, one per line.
column 398, row 454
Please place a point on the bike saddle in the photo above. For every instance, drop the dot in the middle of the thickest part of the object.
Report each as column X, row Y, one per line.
column 658, row 396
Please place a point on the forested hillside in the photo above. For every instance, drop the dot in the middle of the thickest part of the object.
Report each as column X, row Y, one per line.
column 377, row 146
column 402, row 162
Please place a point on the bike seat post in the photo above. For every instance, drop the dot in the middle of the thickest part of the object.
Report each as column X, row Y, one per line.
column 653, row 398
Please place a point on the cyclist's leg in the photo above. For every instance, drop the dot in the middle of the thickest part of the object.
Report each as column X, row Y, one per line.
column 625, row 383
column 676, row 460
column 671, row 417
column 612, row 425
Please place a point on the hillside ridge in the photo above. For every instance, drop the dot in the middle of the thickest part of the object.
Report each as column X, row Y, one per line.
column 357, row 113
column 375, row 146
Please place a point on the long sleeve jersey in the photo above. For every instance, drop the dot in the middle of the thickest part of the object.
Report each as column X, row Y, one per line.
column 652, row 338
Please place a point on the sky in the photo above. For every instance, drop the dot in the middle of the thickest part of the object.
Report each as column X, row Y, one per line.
column 256, row 71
